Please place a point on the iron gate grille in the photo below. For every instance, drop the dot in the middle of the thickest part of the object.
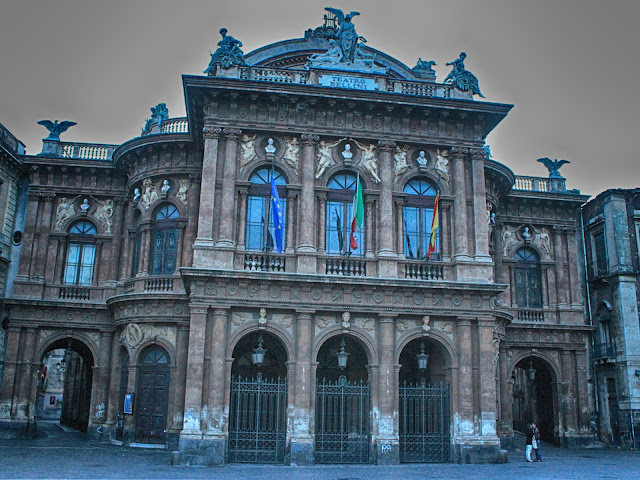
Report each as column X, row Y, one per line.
column 257, row 420
column 342, row 422
column 424, row 423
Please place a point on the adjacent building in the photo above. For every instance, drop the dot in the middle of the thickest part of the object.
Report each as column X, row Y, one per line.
column 213, row 291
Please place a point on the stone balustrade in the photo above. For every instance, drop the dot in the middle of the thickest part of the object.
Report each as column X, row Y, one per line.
column 422, row 270
column 346, row 266
column 87, row 151
column 10, row 142
column 530, row 315
column 531, row 184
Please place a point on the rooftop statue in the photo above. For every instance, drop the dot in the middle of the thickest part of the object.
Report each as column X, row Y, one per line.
column 347, row 36
column 424, row 68
column 55, row 128
column 227, row 54
column 158, row 113
column 462, row 78
column 553, row 166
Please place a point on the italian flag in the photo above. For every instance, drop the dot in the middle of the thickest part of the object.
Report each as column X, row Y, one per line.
column 434, row 228
column 358, row 214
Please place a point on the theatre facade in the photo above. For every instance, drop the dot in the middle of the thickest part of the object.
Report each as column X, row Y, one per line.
column 153, row 266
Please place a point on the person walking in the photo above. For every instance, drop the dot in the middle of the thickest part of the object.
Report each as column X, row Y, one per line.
column 529, row 444
column 536, row 437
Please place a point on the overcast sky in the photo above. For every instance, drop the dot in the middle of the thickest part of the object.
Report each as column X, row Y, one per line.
column 570, row 67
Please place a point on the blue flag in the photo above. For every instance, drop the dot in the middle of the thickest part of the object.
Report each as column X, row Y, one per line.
column 278, row 221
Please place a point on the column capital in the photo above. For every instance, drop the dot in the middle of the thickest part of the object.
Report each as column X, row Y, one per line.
column 211, row 132
column 195, row 178
column 478, row 153
column 221, row 311
column 386, row 145
column 198, row 309
column 309, row 139
column 459, row 152
column 232, row 134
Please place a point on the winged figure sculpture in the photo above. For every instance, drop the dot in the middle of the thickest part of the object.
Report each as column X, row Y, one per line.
column 347, row 37
column 55, row 128
column 553, row 166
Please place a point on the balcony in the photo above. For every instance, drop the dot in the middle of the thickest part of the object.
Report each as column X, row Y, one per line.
column 604, row 351
column 346, row 266
column 86, row 151
column 264, row 262
column 421, row 270
column 154, row 284
column 530, row 315
column 74, row 293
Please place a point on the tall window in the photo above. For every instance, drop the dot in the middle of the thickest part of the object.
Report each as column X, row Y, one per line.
column 418, row 217
column 600, row 248
column 164, row 239
column 339, row 215
column 260, row 235
column 527, row 278
column 81, row 254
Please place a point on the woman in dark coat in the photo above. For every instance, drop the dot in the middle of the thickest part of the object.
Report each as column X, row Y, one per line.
column 528, row 443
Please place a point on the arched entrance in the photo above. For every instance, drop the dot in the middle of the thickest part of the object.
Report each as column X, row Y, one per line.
column 424, row 403
column 64, row 383
column 152, row 395
column 258, row 400
column 343, row 398
column 534, row 397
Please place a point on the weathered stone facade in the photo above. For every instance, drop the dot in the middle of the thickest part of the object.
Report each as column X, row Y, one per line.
column 177, row 273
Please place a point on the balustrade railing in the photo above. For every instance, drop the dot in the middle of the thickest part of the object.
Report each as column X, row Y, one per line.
column 87, row 151
column 175, row 125
column 158, row 284
column 423, row 271
column 265, row 262
column 346, row 266
column 531, row 315
column 74, row 293
column 10, row 142
column 531, row 184
column 420, row 89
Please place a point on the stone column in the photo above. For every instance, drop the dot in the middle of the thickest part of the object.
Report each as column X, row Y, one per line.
column 204, row 239
column 307, row 207
column 561, row 281
column 505, row 425
column 114, row 391
column 574, row 280
column 191, row 434
column 41, row 264
column 292, row 215
column 242, row 213
column 399, row 227
column 388, row 418
column 119, row 231
column 488, row 398
column 568, row 395
column 191, row 230
column 182, row 343
column 26, row 251
column 461, row 246
column 445, row 232
column 480, row 222
column 369, row 212
column 302, row 445
column 465, row 428
column 227, row 202
column 25, row 404
column 126, row 245
column 386, row 256
column 10, row 373
column 217, row 416
column 100, row 385
column 322, row 222
column 145, row 251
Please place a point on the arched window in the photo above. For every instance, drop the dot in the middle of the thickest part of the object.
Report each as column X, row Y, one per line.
column 81, row 254
column 339, row 216
column 527, row 278
column 155, row 355
column 260, row 234
column 164, row 240
column 418, row 218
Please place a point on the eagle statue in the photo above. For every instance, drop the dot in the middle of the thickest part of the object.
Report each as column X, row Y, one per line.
column 553, row 166
column 55, row 128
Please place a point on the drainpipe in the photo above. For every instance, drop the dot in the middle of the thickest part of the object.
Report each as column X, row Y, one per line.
column 590, row 319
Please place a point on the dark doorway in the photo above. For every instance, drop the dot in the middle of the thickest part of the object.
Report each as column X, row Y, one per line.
column 152, row 394
column 258, row 400
column 343, row 399
column 534, row 397
column 64, row 383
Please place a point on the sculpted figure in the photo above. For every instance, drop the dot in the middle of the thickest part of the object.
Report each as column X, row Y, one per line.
column 136, row 194
column 462, row 78
column 227, row 54
column 165, row 186
column 104, row 213
column 346, row 320
column 541, row 239
column 55, row 128
column 400, row 160
column 150, row 195
column 182, row 190
column 426, row 320
column 323, row 158
column 331, row 56
column 63, row 212
column 424, row 68
column 553, row 166
column 347, row 36
column 422, row 159
column 85, row 205
column 365, row 58
column 292, row 147
column 262, row 318
column 270, row 149
column 369, row 161
column 347, row 154
column 508, row 239
column 247, row 149
column 442, row 163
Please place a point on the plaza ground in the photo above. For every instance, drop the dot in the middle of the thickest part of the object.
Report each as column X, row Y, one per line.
column 59, row 454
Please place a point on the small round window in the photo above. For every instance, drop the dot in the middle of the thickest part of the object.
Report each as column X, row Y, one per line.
column 17, row 237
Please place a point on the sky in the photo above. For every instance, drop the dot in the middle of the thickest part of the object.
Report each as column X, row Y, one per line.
column 571, row 68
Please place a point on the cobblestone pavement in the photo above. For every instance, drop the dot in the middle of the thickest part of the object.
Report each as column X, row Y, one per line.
column 59, row 454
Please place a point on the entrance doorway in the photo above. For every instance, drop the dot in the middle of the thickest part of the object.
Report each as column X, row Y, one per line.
column 534, row 397
column 424, row 403
column 64, row 384
column 152, row 395
column 343, row 397
column 258, row 400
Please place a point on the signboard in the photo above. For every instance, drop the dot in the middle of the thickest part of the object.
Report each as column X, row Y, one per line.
column 347, row 81
column 128, row 403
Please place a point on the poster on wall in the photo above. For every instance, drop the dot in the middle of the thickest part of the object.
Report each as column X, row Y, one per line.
column 128, row 403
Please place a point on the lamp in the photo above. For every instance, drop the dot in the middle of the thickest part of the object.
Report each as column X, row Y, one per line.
column 257, row 357
column 532, row 371
column 343, row 356
column 423, row 358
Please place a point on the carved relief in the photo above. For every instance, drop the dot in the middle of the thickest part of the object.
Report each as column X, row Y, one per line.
column 541, row 239
column 346, row 320
column 442, row 163
column 425, row 323
column 63, row 212
column 323, row 322
column 132, row 335
column 285, row 320
column 323, row 158
column 368, row 161
column 291, row 151
column 402, row 325
column 444, row 327
column 247, row 149
column 262, row 317
column 104, row 214
column 508, row 239
column 183, row 188
column 238, row 318
column 367, row 324
column 400, row 160
column 149, row 195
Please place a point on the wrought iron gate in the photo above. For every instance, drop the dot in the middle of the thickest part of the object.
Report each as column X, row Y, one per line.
column 342, row 422
column 424, row 423
column 257, row 420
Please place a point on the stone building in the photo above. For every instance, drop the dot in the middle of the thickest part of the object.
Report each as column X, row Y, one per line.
column 12, row 190
column 155, row 263
column 612, row 230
